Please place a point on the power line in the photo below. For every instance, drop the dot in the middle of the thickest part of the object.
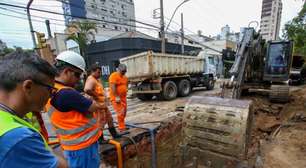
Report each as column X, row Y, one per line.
column 40, row 10
column 35, row 16
column 63, row 20
column 44, row 22
column 11, row 10
column 80, row 7
column 197, row 42
column 80, row 17
column 18, row 17
column 133, row 20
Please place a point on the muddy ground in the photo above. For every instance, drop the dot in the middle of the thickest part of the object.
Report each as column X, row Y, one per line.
column 278, row 132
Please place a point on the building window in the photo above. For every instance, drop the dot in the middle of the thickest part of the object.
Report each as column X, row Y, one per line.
column 126, row 29
column 104, row 26
column 116, row 28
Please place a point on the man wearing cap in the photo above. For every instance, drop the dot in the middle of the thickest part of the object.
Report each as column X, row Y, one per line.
column 71, row 114
column 118, row 92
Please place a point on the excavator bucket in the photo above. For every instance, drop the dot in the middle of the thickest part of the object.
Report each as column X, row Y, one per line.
column 217, row 130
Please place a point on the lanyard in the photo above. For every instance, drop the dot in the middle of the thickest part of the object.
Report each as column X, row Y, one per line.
column 7, row 109
column 13, row 113
column 21, row 121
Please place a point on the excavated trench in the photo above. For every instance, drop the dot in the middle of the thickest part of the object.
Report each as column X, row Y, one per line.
column 277, row 138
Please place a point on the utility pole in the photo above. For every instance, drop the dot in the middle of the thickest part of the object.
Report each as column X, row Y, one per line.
column 182, row 32
column 162, row 27
column 30, row 23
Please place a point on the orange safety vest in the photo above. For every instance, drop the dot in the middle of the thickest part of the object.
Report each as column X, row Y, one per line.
column 74, row 129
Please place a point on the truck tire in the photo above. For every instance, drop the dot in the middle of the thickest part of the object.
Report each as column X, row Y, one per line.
column 144, row 97
column 210, row 84
column 184, row 88
column 169, row 91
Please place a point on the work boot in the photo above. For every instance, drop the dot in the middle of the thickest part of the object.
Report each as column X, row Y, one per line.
column 113, row 132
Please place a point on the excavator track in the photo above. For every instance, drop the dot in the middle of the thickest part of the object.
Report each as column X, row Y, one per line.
column 279, row 93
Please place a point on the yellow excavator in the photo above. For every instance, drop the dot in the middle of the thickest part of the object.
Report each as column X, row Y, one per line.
column 217, row 130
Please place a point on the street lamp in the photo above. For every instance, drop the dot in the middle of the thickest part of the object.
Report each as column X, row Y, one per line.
column 30, row 22
column 175, row 12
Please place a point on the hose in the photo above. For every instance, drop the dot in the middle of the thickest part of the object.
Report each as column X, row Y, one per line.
column 119, row 152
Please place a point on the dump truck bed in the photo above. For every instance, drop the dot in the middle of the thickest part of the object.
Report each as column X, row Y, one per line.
column 149, row 64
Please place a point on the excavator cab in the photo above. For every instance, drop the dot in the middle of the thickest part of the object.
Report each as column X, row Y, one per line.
column 278, row 61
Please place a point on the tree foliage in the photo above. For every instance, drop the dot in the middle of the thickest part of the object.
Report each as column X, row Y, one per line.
column 296, row 30
column 8, row 50
column 81, row 33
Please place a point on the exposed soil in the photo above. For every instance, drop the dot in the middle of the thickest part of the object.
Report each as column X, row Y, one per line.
column 278, row 132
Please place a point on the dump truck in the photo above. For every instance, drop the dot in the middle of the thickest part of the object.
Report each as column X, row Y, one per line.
column 166, row 75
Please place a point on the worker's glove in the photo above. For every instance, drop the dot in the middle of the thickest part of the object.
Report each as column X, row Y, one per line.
column 117, row 99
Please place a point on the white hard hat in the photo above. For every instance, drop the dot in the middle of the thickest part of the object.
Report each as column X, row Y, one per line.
column 72, row 58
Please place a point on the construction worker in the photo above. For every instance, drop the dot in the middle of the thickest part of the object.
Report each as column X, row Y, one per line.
column 71, row 114
column 94, row 88
column 118, row 91
column 26, row 84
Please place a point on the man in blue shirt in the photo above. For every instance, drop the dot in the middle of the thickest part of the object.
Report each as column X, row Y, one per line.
column 26, row 84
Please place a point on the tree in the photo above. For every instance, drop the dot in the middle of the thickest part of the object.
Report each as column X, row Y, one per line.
column 296, row 30
column 81, row 32
column 8, row 50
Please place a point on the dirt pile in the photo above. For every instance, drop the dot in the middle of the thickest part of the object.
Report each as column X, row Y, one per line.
column 279, row 132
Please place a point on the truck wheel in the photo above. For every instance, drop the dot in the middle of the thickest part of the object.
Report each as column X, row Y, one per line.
column 169, row 90
column 210, row 85
column 184, row 88
column 144, row 97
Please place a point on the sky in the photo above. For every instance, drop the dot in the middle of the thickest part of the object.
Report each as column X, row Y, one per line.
column 209, row 16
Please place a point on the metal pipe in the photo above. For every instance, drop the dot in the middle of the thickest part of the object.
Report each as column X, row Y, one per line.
column 30, row 23
column 152, row 137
